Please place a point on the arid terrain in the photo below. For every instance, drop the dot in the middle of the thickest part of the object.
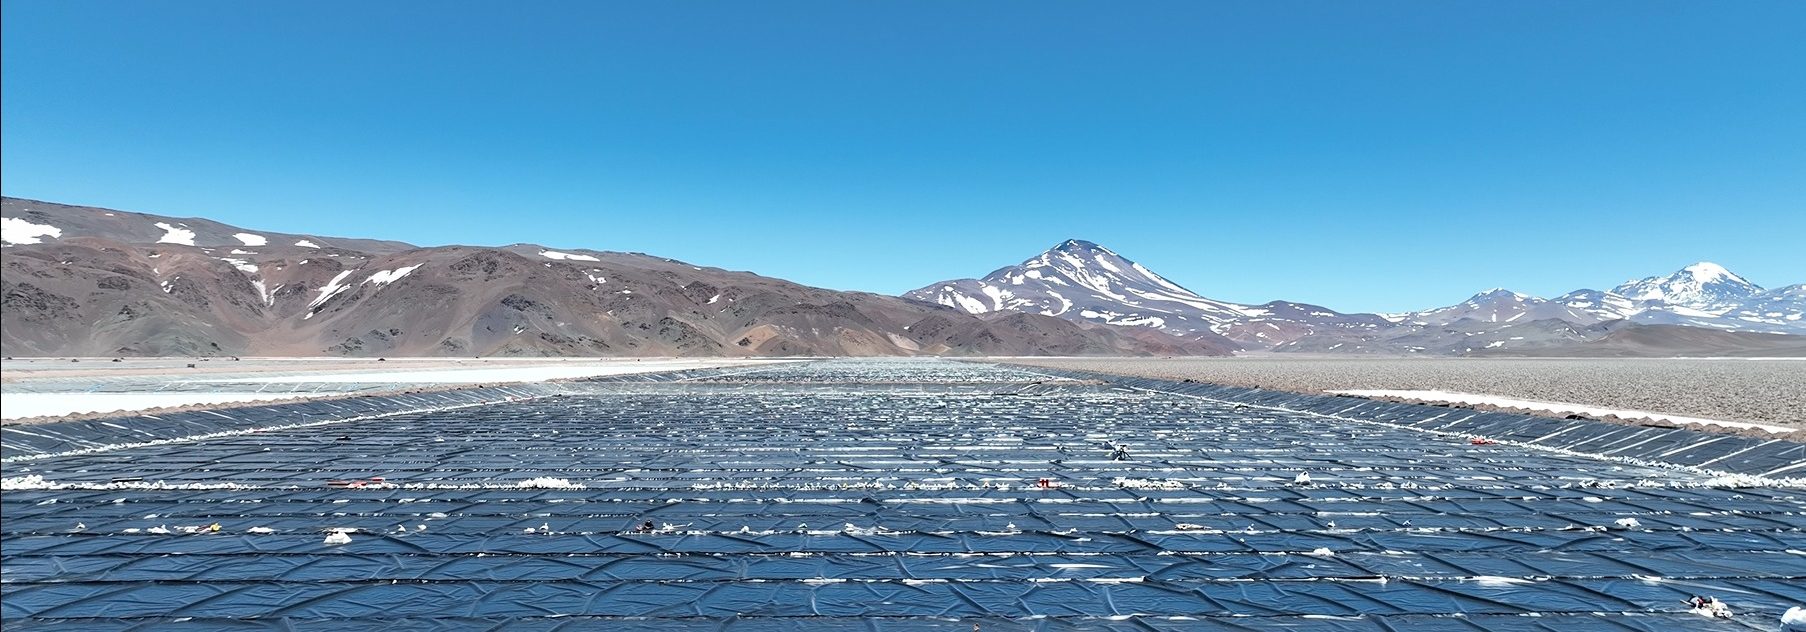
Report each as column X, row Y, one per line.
column 90, row 281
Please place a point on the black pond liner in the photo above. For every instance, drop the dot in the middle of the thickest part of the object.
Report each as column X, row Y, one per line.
column 1678, row 446
column 882, row 495
column 62, row 436
column 33, row 439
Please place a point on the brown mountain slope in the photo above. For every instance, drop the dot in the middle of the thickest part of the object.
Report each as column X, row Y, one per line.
column 109, row 286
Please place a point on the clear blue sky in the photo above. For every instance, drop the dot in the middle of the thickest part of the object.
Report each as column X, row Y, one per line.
column 1360, row 155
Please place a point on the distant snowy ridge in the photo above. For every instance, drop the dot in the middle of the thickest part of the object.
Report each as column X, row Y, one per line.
column 1499, row 305
column 1084, row 281
column 1704, row 294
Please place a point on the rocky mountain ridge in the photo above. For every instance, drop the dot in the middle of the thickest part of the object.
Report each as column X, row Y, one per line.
column 99, row 282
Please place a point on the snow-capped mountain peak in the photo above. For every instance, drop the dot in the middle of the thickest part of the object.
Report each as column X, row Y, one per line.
column 1080, row 245
column 1498, row 294
column 1080, row 280
column 1704, row 286
column 1093, row 267
column 1085, row 281
column 1707, row 272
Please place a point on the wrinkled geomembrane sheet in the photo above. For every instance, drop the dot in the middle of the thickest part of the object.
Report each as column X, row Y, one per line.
column 885, row 495
column 32, row 439
column 1680, row 446
column 23, row 440
column 1319, row 623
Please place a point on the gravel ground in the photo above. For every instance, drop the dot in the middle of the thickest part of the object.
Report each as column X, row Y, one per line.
column 1732, row 389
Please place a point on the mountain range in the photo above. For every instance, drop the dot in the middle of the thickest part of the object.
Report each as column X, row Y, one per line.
column 1081, row 280
column 98, row 282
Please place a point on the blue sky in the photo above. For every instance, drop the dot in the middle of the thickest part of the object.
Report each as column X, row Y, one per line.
column 1364, row 156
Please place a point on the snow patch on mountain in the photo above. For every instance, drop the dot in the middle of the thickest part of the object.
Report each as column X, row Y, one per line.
column 1782, row 306
column 331, row 289
column 251, row 239
column 385, row 277
column 18, row 231
column 566, row 256
column 1603, row 305
column 952, row 297
column 243, row 266
column 174, row 234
